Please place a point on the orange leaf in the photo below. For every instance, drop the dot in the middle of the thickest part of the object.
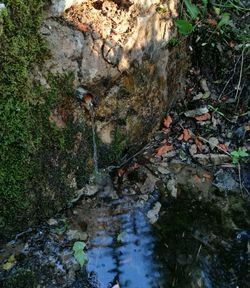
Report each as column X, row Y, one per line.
column 223, row 147
column 180, row 137
column 207, row 176
column 203, row 117
column 167, row 121
column 163, row 149
column 186, row 135
column 212, row 22
column 120, row 172
column 82, row 27
column 198, row 144
column 197, row 179
column 166, row 130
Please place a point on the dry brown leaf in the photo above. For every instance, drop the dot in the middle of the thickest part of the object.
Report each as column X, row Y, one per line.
column 120, row 172
column 212, row 22
column 186, row 134
column 223, row 147
column 180, row 137
column 82, row 27
column 199, row 144
column 197, row 179
column 166, row 130
column 163, row 149
column 203, row 117
column 207, row 176
column 167, row 121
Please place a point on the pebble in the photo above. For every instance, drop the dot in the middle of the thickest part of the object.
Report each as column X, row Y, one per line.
column 153, row 214
column 76, row 235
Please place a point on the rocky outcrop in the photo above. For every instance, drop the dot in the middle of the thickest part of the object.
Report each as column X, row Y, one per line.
column 119, row 50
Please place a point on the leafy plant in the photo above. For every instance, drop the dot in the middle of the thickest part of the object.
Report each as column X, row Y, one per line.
column 184, row 27
column 236, row 155
column 192, row 9
column 79, row 254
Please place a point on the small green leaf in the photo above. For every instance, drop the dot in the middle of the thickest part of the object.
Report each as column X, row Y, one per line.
column 79, row 246
column 10, row 263
column 80, row 257
column 234, row 154
column 184, row 26
column 243, row 153
column 192, row 9
column 225, row 18
column 121, row 236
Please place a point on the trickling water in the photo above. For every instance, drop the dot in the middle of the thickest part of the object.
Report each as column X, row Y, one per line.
column 95, row 157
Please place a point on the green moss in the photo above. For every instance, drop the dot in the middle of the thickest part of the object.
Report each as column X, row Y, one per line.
column 22, row 278
column 35, row 155
column 113, row 153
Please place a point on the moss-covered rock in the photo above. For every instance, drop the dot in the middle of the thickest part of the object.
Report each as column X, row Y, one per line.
column 22, row 278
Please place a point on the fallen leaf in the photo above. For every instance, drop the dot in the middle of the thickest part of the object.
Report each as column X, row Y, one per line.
column 223, row 147
column 10, row 263
column 167, row 121
column 203, row 117
column 186, row 134
column 166, row 130
column 199, row 144
column 207, row 176
column 196, row 112
column 120, row 172
column 163, row 149
column 197, row 179
column 180, row 137
column 212, row 22
column 82, row 27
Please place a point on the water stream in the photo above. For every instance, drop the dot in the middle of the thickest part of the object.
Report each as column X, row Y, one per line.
column 193, row 242
column 95, row 155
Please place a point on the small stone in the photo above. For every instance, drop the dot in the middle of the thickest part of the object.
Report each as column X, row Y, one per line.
column 153, row 214
column 52, row 222
column 163, row 170
column 76, row 235
column 65, row 255
column 225, row 182
column 193, row 149
column 213, row 142
column 72, row 265
column 171, row 186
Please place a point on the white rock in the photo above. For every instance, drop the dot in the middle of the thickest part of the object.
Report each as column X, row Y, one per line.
column 153, row 214
column 59, row 6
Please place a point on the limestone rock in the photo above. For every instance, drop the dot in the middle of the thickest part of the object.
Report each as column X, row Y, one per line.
column 122, row 57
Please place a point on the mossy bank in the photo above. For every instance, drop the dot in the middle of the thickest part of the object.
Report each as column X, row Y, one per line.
column 37, row 156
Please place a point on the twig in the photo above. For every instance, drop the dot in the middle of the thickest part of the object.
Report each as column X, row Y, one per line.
column 229, row 79
column 239, row 82
column 218, row 147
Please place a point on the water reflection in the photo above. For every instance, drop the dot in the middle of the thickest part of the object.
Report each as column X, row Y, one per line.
column 126, row 254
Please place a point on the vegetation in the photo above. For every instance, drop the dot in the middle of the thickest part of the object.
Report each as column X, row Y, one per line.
column 33, row 154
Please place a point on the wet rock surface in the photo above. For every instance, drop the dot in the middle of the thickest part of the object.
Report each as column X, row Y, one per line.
column 121, row 54
column 164, row 228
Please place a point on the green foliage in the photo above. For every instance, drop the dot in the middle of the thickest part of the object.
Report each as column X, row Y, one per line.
column 22, row 278
column 79, row 254
column 225, row 19
column 192, row 9
column 26, row 134
column 236, row 155
column 184, row 27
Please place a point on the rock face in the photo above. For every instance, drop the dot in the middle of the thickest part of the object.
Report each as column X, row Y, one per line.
column 59, row 6
column 120, row 51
